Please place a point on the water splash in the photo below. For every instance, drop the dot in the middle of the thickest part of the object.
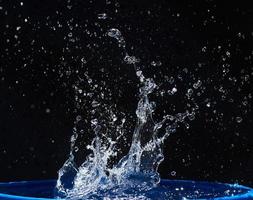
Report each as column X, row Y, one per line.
column 222, row 89
column 137, row 170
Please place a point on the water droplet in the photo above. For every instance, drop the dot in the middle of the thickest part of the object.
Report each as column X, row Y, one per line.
column 172, row 91
column 156, row 63
column 139, row 73
column 76, row 149
column 204, row 49
column 89, row 80
column 171, row 80
column 94, row 122
column 173, row 173
column 197, row 84
column 238, row 119
column 78, row 118
column 131, row 59
column 115, row 33
column 102, row 16
column 191, row 116
column 189, row 93
column 95, row 104
column 114, row 118
column 83, row 60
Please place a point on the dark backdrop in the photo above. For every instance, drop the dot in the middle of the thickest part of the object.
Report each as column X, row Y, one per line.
column 36, row 103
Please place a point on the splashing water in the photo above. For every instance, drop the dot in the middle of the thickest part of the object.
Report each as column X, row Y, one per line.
column 137, row 170
column 130, row 96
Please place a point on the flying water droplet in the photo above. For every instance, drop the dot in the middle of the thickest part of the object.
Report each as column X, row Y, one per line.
column 238, row 119
column 172, row 91
column 197, row 84
column 115, row 33
column 76, row 149
column 78, row 118
column 156, row 63
column 95, row 104
column 83, row 60
column 94, row 122
column 102, row 16
column 189, row 93
column 173, row 173
column 130, row 59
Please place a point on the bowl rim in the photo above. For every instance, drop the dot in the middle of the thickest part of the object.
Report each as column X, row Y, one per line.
column 246, row 195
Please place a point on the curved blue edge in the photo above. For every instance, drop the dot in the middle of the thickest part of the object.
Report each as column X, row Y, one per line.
column 29, row 190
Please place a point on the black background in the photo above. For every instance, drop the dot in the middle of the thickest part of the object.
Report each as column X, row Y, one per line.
column 37, row 110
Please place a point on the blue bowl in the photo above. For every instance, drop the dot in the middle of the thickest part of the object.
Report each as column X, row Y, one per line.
column 167, row 189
